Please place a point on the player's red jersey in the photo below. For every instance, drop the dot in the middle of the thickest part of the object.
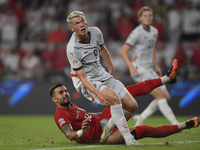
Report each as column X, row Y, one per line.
column 75, row 117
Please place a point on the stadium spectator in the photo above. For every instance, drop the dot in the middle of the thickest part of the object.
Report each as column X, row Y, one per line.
column 47, row 8
column 91, row 15
column 11, row 65
column 9, row 28
column 31, row 64
column 84, row 127
column 47, row 56
column 59, row 34
column 180, row 54
column 27, row 35
column 135, row 6
column 19, row 11
column 174, row 23
column 159, row 25
column 61, row 10
column 61, row 61
column 33, row 16
column 190, row 23
column 124, row 27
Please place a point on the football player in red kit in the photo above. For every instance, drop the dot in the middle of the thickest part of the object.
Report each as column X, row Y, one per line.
column 84, row 127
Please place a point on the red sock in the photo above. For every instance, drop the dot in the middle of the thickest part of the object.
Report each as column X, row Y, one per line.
column 144, row 87
column 155, row 132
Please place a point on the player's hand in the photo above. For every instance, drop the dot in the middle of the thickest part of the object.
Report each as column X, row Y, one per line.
column 103, row 99
column 111, row 72
column 133, row 72
column 85, row 125
column 158, row 71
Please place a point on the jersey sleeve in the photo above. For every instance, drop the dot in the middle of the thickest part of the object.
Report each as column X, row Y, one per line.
column 132, row 38
column 61, row 120
column 75, row 63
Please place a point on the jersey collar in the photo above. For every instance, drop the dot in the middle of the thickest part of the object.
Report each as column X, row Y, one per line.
column 88, row 39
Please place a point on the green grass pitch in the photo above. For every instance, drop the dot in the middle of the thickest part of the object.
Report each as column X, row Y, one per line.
column 25, row 132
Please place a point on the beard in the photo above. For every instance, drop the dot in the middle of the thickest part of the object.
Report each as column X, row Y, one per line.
column 66, row 104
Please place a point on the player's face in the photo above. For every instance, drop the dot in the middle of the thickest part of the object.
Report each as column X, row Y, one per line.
column 79, row 25
column 62, row 96
column 146, row 18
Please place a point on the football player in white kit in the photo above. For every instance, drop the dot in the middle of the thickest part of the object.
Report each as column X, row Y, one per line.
column 144, row 65
column 84, row 49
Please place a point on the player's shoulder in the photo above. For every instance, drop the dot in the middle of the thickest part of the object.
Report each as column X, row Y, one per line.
column 94, row 29
column 72, row 42
column 136, row 30
column 153, row 29
column 63, row 112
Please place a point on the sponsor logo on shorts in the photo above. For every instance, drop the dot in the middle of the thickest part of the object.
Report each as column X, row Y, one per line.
column 61, row 121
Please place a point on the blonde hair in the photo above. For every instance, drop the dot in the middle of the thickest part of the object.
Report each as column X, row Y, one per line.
column 142, row 9
column 74, row 14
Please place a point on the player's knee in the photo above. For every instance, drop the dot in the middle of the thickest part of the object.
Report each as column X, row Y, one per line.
column 132, row 107
column 159, row 95
column 135, row 107
column 114, row 99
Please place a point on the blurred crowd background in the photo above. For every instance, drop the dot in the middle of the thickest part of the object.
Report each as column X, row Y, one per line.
column 34, row 35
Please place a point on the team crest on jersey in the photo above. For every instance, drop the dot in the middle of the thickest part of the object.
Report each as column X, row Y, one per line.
column 130, row 37
column 61, row 121
column 75, row 62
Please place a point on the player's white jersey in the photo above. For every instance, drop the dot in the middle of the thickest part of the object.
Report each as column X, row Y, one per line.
column 143, row 43
column 86, row 56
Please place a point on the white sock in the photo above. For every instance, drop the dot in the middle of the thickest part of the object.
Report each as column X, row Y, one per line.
column 151, row 108
column 165, row 79
column 167, row 111
column 120, row 121
column 182, row 125
column 111, row 123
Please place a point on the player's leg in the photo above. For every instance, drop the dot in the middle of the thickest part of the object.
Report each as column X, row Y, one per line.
column 117, row 137
column 119, row 114
column 143, row 88
column 143, row 131
column 163, row 105
column 117, row 117
column 128, row 103
column 162, row 96
column 165, row 130
column 147, row 86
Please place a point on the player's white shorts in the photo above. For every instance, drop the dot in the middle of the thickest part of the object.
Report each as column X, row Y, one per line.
column 146, row 74
column 111, row 83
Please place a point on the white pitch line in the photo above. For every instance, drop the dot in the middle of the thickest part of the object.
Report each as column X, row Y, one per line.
column 92, row 146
